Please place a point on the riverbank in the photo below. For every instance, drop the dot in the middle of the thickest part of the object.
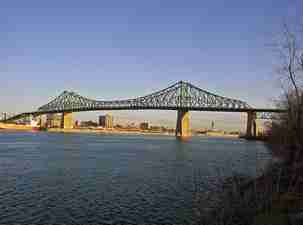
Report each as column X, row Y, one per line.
column 275, row 197
column 133, row 131
column 255, row 138
column 7, row 126
column 107, row 131
column 126, row 131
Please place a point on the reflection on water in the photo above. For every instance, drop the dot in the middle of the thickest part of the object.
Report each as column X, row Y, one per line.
column 112, row 179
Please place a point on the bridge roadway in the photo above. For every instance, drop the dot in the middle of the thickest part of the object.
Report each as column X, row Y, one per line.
column 182, row 97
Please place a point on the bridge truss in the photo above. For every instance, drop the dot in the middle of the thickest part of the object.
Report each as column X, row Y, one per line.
column 268, row 116
column 179, row 96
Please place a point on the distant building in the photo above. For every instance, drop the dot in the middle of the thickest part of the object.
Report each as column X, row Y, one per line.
column 88, row 124
column 4, row 116
column 24, row 121
column 261, row 129
column 106, row 121
column 212, row 125
column 131, row 125
column 53, row 120
column 144, row 126
column 118, row 126
column 77, row 124
column 155, row 128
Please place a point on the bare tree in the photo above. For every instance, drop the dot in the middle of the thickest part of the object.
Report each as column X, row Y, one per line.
column 290, row 68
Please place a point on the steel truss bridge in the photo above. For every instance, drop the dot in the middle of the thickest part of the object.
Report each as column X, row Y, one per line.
column 181, row 96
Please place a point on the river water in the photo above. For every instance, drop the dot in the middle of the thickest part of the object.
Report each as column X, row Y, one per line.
column 49, row 178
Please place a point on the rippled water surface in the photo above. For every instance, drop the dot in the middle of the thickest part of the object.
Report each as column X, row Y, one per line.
column 82, row 179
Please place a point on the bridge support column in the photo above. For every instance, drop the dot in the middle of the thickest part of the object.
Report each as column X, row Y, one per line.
column 67, row 120
column 251, row 128
column 182, row 128
column 40, row 121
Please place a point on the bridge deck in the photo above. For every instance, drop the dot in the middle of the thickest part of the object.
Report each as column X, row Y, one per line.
column 257, row 110
column 180, row 96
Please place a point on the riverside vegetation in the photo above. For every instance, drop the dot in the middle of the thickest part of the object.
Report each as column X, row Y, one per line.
column 275, row 197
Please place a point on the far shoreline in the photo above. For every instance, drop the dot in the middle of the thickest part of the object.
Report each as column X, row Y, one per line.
column 108, row 132
column 18, row 128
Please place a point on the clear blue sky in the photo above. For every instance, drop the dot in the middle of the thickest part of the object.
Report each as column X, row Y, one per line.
column 121, row 49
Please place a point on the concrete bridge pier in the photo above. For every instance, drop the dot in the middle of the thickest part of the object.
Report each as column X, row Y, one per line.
column 182, row 128
column 38, row 119
column 67, row 120
column 251, row 128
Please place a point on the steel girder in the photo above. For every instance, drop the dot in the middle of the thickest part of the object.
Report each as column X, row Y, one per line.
column 268, row 116
column 181, row 95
